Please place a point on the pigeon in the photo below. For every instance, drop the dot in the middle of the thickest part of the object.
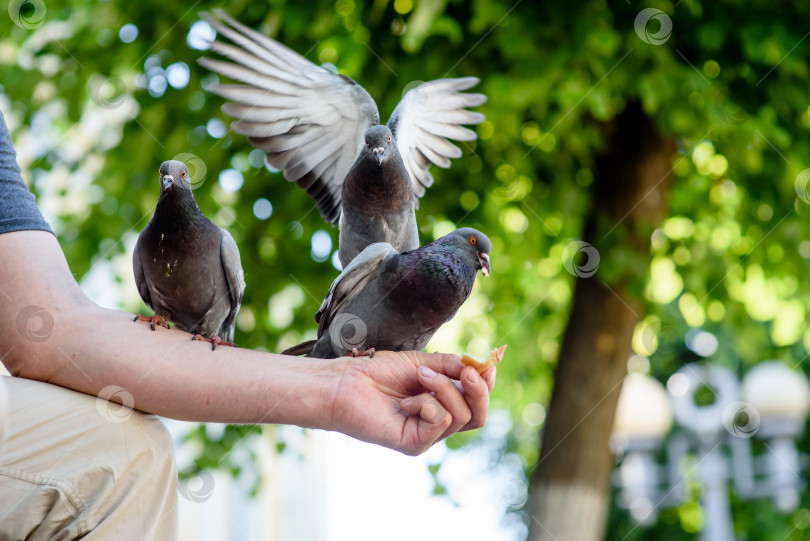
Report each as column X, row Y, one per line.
column 378, row 201
column 314, row 124
column 187, row 268
column 396, row 301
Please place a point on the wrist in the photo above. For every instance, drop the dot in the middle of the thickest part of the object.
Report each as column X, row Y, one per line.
column 315, row 401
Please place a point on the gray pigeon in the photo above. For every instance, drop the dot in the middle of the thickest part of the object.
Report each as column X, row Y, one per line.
column 396, row 301
column 378, row 201
column 187, row 268
column 313, row 124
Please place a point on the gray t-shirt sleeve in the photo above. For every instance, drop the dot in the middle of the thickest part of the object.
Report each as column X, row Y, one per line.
column 18, row 210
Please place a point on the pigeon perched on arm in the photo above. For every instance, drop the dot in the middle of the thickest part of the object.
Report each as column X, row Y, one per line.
column 187, row 268
column 315, row 124
column 396, row 301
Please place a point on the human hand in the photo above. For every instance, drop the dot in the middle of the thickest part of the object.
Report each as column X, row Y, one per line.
column 409, row 400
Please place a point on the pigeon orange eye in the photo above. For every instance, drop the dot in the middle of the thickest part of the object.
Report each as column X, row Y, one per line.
column 473, row 240
column 183, row 174
column 389, row 138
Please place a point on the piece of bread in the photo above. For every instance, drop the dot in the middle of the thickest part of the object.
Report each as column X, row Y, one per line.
column 495, row 356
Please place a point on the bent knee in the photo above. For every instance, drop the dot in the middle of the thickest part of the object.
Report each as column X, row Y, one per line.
column 141, row 480
column 131, row 441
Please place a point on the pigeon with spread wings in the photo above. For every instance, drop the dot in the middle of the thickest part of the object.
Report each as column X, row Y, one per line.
column 322, row 129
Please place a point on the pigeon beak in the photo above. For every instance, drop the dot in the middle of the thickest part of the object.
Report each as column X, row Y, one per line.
column 166, row 181
column 378, row 153
column 486, row 267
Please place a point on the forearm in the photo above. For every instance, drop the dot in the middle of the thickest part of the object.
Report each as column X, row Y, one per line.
column 90, row 348
column 170, row 375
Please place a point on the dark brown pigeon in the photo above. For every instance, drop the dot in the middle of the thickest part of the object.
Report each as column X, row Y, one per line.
column 187, row 268
column 313, row 124
column 395, row 301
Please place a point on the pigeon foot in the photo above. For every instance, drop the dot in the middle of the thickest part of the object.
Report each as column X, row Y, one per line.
column 214, row 340
column 153, row 320
column 366, row 352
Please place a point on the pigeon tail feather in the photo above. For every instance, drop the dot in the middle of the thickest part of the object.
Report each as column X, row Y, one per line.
column 304, row 348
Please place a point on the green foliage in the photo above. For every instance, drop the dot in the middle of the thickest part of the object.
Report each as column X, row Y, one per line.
column 730, row 83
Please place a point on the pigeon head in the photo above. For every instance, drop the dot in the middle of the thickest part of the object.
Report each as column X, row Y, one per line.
column 379, row 143
column 174, row 173
column 475, row 243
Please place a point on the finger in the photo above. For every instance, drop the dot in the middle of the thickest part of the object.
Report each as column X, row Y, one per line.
column 427, row 422
column 489, row 376
column 476, row 394
column 448, row 364
column 448, row 394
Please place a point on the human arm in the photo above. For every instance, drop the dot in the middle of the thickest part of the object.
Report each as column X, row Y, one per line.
column 68, row 340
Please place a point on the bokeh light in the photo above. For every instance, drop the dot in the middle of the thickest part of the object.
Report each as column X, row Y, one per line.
column 231, row 180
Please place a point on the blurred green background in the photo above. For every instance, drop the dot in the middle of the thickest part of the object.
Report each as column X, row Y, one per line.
column 98, row 94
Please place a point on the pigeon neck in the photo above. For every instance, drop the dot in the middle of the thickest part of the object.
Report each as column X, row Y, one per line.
column 370, row 186
column 177, row 210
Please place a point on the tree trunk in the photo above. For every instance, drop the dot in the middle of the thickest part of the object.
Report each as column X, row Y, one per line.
column 570, row 487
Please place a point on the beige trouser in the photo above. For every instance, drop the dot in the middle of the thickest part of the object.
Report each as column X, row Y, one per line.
column 74, row 466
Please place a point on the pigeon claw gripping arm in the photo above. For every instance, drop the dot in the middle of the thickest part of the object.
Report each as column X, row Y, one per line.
column 363, row 353
column 153, row 320
column 214, row 340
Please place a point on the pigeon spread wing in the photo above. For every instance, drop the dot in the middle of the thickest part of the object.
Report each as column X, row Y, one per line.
column 426, row 117
column 352, row 280
column 235, row 279
column 308, row 120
